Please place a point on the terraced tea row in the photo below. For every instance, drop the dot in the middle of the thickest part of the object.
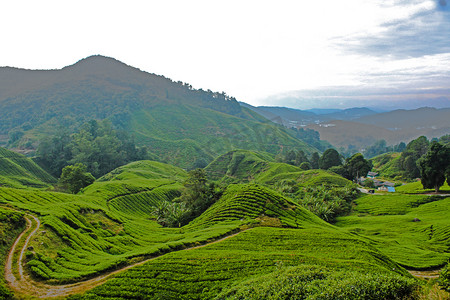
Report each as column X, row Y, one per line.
column 204, row 273
column 16, row 170
column 413, row 230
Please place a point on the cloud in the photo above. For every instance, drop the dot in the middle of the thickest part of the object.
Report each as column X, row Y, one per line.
column 416, row 28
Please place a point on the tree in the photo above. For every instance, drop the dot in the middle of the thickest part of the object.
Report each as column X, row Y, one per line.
column 357, row 166
column 300, row 158
column 198, row 194
column 414, row 150
column 75, row 177
column 305, row 166
column 315, row 160
column 290, row 157
column 434, row 166
column 330, row 158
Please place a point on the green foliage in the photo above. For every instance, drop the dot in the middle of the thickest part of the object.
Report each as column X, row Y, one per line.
column 314, row 160
column 327, row 202
column 369, row 183
column 434, row 165
column 314, row 282
column 311, row 137
column 389, row 165
column 380, row 147
column 171, row 214
column 294, row 158
column 356, row 166
column 197, row 195
column 96, row 145
column 329, row 158
column 321, row 177
column 444, row 278
column 414, row 150
column 75, row 177
column 305, row 166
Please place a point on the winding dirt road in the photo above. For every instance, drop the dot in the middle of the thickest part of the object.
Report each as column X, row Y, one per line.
column 24, row 285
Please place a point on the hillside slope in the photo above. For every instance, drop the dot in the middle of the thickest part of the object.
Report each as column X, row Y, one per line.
column 18, row 171
column 178, row 123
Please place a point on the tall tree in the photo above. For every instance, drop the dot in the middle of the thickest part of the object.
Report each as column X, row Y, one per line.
column 434, row 166
column 357, row 166
column 314, row 160
column 75, row 177
column 330, row 158
column 414, row 150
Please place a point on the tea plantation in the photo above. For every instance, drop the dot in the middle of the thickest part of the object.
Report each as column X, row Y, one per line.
column 280, row 249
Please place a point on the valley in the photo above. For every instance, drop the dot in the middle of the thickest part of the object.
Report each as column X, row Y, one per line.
column 133, row 186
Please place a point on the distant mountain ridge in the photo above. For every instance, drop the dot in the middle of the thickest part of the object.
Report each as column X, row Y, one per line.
column 291, row 116
column 361, row 127
column 179, row 124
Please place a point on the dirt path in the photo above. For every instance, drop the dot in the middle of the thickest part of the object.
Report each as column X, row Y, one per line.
column 26, row 286
column 432, row 274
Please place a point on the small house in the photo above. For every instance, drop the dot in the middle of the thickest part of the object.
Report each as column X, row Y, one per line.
column 372, row 175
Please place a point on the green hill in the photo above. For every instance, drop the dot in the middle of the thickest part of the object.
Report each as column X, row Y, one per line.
column 238, row 166
column 413, row 230
column 387, row 165
column 110, row 224
column 178, row 124
column 241, row 166
column 145, row 169
column 16, row 170
column 259, row 205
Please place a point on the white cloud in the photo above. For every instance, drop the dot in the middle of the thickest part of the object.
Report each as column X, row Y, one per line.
column 250, row 49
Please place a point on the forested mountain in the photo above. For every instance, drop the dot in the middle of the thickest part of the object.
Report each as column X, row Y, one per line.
column 177, row 123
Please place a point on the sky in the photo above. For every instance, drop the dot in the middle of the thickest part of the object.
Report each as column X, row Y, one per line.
column 300, row 54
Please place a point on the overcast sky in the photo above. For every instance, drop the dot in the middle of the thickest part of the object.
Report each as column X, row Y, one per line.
column 301, row 54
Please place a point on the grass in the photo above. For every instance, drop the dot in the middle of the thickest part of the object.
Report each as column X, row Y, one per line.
column 417, row 188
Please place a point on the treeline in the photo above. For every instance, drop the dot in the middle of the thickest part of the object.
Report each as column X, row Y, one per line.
column 311, row 137
column 408, row 162
column 381, row 147
column 97, row 145
column 349, row 168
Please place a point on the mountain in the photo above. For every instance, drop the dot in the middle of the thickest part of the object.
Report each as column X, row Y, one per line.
column 177, row 123
column 393, row 127
column 292, row 117
column 361, row 127
column 425, row 118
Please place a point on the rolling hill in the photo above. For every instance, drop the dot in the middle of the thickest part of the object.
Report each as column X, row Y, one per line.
column 176, row 122
column 19, row 171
